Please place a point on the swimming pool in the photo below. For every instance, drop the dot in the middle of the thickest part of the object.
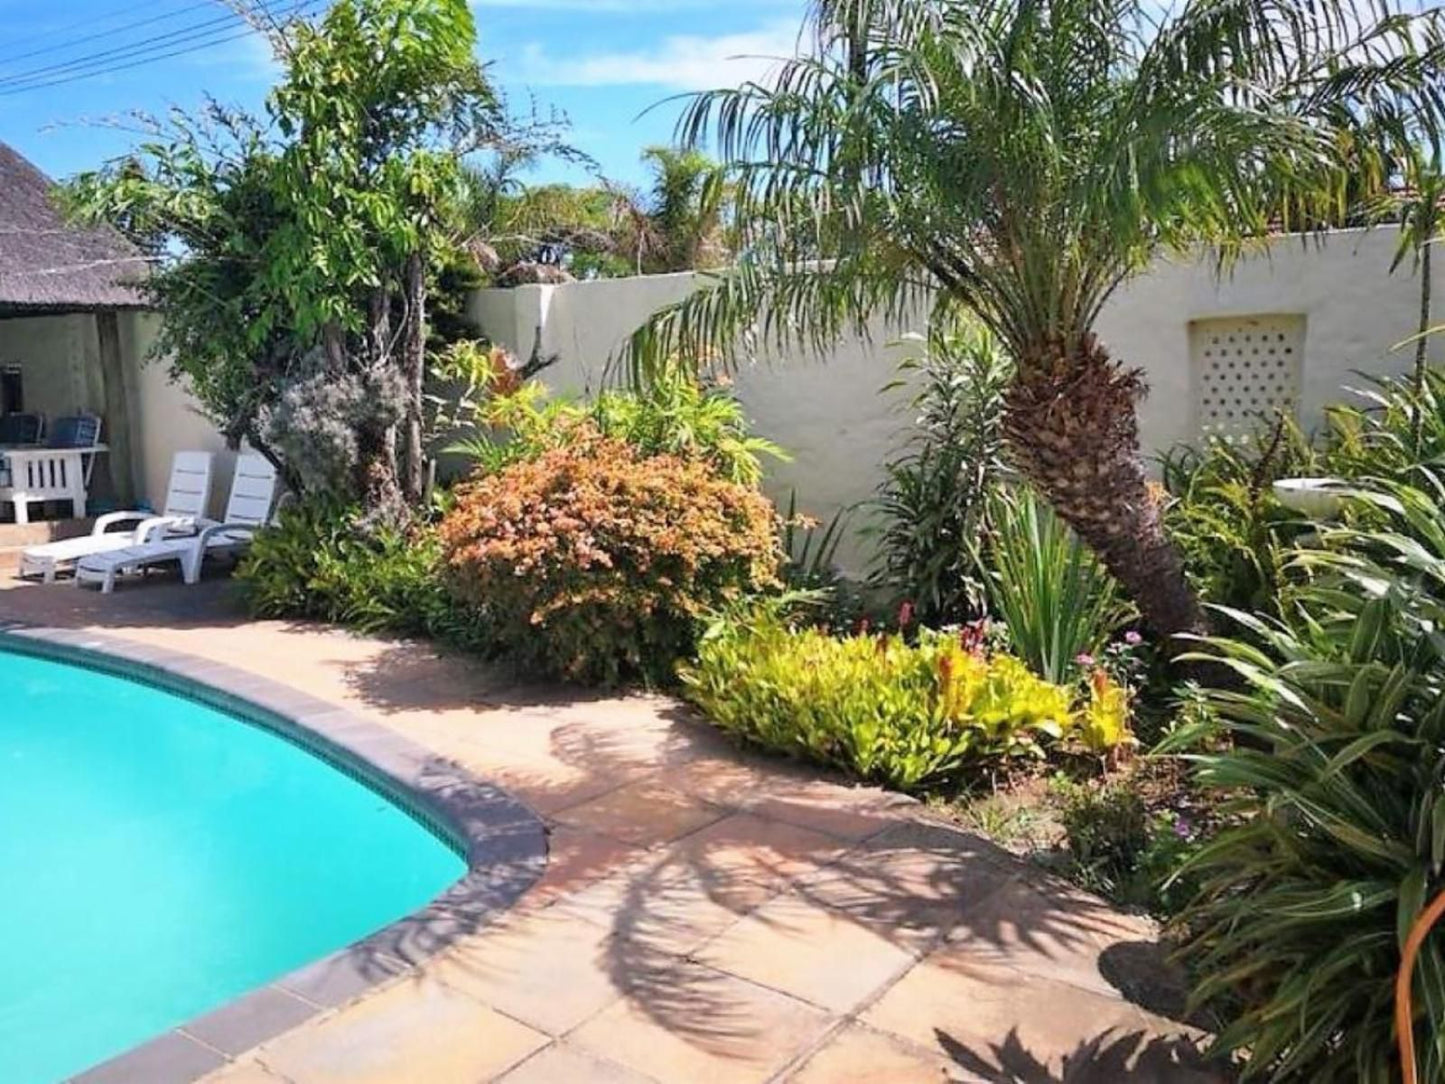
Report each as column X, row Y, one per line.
column 159, row 857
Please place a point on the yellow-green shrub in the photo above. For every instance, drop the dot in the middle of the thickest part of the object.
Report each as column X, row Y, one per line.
column 908, row 715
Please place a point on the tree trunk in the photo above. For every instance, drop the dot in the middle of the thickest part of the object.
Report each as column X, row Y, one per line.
column 1070, row 419
column 377, row 478
column 413, row 352
column 1422, row 345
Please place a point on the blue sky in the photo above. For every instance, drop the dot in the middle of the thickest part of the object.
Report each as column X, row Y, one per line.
column 602, row 62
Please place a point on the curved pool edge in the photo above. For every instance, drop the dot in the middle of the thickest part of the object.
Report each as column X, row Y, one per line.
column 502, row 841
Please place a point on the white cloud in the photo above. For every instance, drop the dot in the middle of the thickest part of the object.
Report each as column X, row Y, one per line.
column 679, row 62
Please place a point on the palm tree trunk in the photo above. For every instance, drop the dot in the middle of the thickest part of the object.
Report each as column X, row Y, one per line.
column 1417, row 423
column 1072, row 424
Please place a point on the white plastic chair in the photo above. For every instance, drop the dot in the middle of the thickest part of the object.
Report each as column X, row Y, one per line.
column 253, row 491
column 187, row 494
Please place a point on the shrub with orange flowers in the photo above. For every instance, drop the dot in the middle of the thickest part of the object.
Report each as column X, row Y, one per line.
column 594, row 562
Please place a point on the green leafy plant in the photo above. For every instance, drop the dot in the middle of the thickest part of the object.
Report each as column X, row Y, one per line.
column 1397, row 426
column 297, row 251
column 595, row 562
column 1120, row 848
column 932, row 505
column 678, row 416
column 319, row 563
column 1334, row 782
column 1054, row 597
column 907, row 714
column 811, row 567
column 1233, row 532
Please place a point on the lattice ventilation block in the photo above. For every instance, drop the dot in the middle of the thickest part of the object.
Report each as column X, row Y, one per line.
column 1245, row 369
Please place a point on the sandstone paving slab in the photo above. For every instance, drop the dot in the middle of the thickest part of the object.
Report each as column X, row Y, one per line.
column 758, row 849
column 809, row 951
column 860, row 1055
column 417, row 1031
column 543, row 969
column 644, row 814
column 1000, row 1023
column 691, row 1023
column 562, row 1064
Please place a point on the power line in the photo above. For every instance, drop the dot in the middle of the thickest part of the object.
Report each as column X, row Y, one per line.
column 7, row 60
column 130, row 49
column 137, row 57
column 69, row 28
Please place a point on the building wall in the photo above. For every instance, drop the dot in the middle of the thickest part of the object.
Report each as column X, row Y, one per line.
column 829, row 413
column 165, row 418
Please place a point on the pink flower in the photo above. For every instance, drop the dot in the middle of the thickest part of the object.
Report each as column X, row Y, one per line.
column 1083, row 658
column 1132, row 638
column 905, row 614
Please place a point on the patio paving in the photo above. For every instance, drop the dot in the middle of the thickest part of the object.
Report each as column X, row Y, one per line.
column 706, row 915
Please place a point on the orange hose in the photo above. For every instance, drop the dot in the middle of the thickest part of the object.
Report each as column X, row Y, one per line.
column 1404, row 981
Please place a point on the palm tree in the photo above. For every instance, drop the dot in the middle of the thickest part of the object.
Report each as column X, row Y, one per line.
column 679, row 225
column 1019, row 159
column 1418, row 204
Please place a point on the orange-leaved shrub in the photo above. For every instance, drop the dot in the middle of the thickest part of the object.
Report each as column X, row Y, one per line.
column 594, row 562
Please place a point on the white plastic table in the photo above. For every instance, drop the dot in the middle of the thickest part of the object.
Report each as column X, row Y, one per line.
column 38, row 474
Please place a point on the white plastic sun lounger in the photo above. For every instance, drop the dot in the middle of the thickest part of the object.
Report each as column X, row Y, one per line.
column 187, row 495
column 252, row 492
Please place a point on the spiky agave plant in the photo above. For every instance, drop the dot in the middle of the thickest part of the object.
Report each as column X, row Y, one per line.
column 1021, row 158
column 1336, row 791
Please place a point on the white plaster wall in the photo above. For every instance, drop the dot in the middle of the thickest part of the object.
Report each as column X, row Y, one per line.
column 829, row 413
column 165, row 419
column 1355, row 313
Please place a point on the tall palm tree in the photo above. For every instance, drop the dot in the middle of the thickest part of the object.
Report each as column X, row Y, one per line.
column 1019, row 159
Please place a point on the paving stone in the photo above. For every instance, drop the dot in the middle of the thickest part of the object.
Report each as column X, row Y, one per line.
column 812, row 952
column 171, row 1058
column 860, row 1055
column 561, row 1064
column 690, row 1023
column 1000, row 1023
column 577, row 858
column 644, row 814
column 914, row 897
column 246, row 1071
column 1058, row 935
column 417, row 1031
column 757, row 849
column 544, row 969
column 260, row 1015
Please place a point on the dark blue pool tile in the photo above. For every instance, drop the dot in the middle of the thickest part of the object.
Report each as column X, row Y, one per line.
column 171, row 1058
column 260, row 1015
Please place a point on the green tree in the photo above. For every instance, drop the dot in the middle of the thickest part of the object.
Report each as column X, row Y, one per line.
column 1019, row 159
column 679, row 225
column 297, row 249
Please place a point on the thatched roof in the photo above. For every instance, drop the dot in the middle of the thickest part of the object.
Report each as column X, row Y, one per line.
column 47, row 264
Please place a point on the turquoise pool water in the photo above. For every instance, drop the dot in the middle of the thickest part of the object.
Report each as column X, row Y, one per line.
column 159, row 858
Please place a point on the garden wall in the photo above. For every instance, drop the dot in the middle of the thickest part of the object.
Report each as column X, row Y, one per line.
column 1296, row 322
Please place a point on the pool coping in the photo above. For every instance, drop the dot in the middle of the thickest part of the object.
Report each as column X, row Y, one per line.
column 503, row 843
